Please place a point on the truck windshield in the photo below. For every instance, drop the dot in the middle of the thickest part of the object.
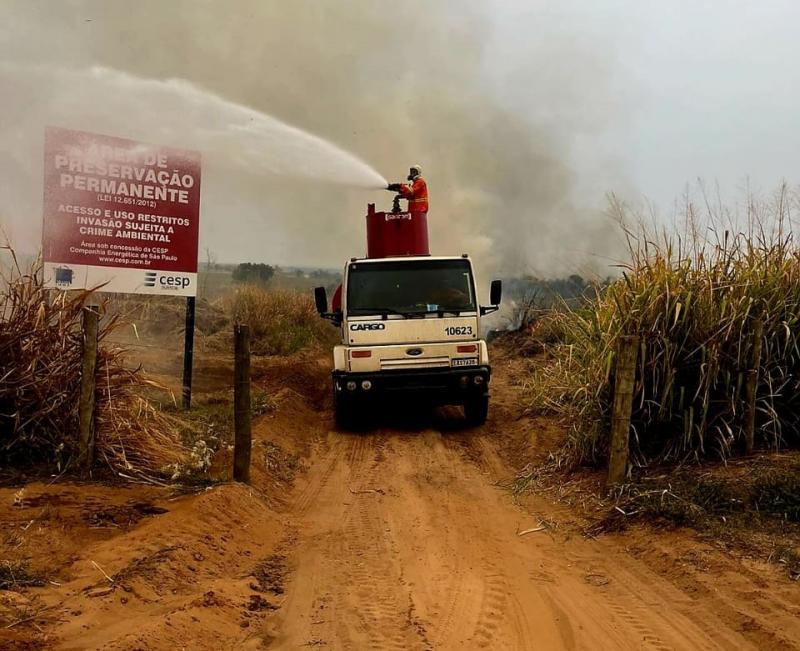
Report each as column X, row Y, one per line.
column 417, row 287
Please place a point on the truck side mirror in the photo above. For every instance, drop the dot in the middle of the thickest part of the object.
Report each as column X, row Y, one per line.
column 496, row 292
column 321, row 299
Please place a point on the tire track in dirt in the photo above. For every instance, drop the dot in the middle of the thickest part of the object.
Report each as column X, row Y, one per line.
column 318, row 480
column 402, row 539
column 622, row 604
column 407, row 541
column 646, row 634
column 369, row 563
column 443, row 629
column 493, row 607
column 470, row 603
column 450, row 590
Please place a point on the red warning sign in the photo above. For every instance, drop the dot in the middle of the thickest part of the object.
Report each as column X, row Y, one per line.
column 119, row 213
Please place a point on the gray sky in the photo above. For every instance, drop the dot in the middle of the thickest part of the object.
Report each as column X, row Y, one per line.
column 706, row 88
column 524, row 114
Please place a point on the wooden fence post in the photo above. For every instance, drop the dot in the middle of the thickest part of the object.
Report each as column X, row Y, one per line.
column 751, row 386
column 91, row 317
column 241, row 403
column 624, row 377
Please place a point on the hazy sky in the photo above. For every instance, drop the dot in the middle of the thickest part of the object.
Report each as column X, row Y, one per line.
column 707, row 88
column 523, row 113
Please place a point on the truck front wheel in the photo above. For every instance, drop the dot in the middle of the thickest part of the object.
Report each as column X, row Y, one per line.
column 477, row 409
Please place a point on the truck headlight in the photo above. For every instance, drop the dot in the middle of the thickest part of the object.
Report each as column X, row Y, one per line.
column 366, row 385
column 478, row 380
column 351, row 385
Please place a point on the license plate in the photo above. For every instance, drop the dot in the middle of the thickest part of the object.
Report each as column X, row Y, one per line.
column 465, row 361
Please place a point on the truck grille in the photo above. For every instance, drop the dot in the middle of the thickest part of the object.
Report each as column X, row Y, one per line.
column 425, row 362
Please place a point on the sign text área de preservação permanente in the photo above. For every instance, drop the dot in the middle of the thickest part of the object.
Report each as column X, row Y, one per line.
column 119, row 213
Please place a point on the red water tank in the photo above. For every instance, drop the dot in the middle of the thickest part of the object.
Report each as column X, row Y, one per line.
column 392, row 234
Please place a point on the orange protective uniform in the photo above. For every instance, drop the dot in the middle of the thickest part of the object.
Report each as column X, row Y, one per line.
column 417, row 195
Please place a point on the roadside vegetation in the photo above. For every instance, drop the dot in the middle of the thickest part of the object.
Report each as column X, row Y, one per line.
column 749, row 505
column 40, row 367
column 207, row 431
column 694, row 301
column 281, row 322
column 140, row 432
column 699, row 303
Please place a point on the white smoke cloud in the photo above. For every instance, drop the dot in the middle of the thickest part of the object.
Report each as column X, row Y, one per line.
column 397, row 84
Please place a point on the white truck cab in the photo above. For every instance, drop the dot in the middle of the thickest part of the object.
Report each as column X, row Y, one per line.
column 410, row 326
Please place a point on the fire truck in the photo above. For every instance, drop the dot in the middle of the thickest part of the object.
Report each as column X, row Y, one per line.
column 410, row 324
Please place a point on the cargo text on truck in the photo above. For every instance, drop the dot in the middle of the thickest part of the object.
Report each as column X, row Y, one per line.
column 409, row 321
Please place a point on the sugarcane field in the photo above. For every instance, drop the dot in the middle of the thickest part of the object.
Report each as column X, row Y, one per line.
column 419, row 326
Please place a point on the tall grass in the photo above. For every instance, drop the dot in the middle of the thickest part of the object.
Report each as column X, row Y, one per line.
column 281, row 321
column 41, row 343
column 692, row 299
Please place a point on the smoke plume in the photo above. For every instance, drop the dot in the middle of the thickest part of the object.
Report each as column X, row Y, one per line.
column 396, row 83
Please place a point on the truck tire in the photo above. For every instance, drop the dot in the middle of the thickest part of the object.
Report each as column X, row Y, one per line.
column 343, row 412
column 476, row 410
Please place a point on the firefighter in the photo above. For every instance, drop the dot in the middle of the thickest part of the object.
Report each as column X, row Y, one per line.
column 416, row 192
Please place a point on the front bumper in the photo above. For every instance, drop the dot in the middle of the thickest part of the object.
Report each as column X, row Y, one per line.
column 435, row 385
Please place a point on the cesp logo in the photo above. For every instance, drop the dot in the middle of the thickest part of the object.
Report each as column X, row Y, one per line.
column 166, row 281
column 174, row 282
column 367, row 326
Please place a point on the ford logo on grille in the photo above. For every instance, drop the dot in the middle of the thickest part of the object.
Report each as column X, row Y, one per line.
column 414, row 351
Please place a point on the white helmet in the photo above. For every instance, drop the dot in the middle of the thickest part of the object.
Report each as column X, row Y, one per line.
column 416, row 168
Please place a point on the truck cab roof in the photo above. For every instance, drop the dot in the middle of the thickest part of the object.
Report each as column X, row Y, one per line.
column 411, row 258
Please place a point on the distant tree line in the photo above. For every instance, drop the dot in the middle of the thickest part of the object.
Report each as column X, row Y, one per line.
column 253, row 272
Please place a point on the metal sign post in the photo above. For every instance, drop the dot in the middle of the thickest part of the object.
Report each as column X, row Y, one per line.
column 188, row 353
column 242, row 440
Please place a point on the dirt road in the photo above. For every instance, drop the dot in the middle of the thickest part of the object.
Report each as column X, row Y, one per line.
column 403, row 542
column 400, row 538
